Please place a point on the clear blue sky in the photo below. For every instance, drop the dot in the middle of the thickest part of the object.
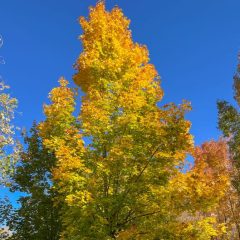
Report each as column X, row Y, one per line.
column 193, row 44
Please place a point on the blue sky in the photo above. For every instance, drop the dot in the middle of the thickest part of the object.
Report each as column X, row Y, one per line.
column 193, row 44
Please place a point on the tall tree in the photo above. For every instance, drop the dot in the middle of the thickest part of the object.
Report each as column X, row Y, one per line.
column 111, row 184
column 36, row 218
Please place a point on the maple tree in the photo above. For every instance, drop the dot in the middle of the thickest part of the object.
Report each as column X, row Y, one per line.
column 110, row 183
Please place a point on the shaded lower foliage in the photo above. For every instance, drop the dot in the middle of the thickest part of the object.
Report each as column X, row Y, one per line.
column 37, row 218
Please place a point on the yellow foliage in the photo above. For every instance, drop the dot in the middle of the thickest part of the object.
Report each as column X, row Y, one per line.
column 112, row 184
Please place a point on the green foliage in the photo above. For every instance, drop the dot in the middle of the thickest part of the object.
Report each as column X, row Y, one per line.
column 37, row 218
column 229, row 123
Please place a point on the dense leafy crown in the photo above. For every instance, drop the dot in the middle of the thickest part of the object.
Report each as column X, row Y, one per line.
column 132, row 146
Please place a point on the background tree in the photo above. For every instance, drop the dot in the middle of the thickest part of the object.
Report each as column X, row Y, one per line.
column 111, row 183
column 8, row 149
column 5, row 211
column 229, row 123
column 36, row 218
column 193, row 197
